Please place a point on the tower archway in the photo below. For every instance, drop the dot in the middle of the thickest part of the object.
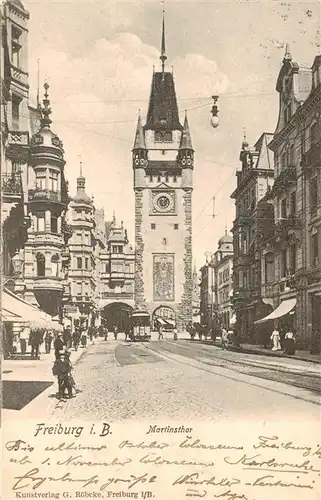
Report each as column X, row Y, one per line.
column 164, row 316
column 116, row 314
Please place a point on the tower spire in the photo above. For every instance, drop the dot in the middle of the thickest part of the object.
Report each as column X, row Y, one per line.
column 186, row 140
column 139, row 137
column 163, row 55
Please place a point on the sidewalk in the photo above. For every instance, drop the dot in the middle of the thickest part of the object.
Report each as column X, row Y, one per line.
column 256, row 349
column 26, row 381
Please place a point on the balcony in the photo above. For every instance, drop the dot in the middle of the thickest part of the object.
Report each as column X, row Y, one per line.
column 292, row 222
column 19, row 76
column 12, row 185
column 311, row 160
column 285, row 179
column 267, row 290
column 47, row 283
column 48, row 238
column 17, row 148
column 40, row 195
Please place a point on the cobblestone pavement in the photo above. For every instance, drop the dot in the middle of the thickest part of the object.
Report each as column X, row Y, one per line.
column 122, row 381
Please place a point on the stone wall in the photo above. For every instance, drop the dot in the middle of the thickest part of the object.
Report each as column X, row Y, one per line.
column 185, row 309
column 139, row 291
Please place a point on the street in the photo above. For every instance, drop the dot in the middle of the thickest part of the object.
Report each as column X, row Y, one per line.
column 185, row 380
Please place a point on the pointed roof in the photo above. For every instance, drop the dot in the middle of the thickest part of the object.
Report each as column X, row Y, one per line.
column 140, row 137
column 81, row 195
column 186, row 140
column 162, row 109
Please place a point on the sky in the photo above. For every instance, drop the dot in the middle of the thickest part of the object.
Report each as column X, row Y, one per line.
column 98, row 59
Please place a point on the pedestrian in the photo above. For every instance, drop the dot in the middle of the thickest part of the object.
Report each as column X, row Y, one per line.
column 61, row 369
column 160, row 333
column 174, row 334
column 90, row 333
column 76, row 338
column 83, row 338
column 48, row 341
column 289, row 341
column 115, row 332
column 58, row 345
column 35, row 340
column 224, row 338
column 275, row 337
column 24, row 339
column 105, row 330
column 127, row 333
column 70, row 375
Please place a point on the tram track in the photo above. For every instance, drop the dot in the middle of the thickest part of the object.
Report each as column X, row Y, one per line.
column 197, row 364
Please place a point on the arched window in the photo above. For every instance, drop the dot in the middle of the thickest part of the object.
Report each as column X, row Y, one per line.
column 158, row 137
column 168, row 137
column 41, row 264
column 54, row 265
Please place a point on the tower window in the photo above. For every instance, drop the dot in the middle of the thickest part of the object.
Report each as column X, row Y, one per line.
column 41, row 221
column 41, row 178
column 53, row 180
column 150, row 178
column 174, row 178
column 15, row 111
column 158, row 137
column 176, row 226
column 79, row 263
column 159, row 178
column 54, row 224
column 41, row 264
column 54, row 265
column 168, row 137
column 166, row 178
column 86, row 263
column 153, row 226
column 165, row 241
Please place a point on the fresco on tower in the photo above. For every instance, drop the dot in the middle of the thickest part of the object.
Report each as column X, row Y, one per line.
column 163, row 277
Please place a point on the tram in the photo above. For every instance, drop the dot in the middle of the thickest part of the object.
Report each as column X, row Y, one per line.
column 140, row 326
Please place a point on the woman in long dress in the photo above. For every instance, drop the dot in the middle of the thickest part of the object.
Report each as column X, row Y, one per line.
column 289, row 343
column 275, row 337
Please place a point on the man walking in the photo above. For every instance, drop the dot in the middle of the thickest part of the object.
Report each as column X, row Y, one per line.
column 24, row 338
column 48, row 341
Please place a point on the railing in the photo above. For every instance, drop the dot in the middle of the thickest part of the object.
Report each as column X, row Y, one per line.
column 18, row 138
column 19, row 75
column 44, row 194
column 290, row 222
column 286, row 178
column 11, row 183
column 312, row 158
column 266, row 290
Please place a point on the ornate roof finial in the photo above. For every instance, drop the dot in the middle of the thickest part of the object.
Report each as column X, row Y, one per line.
column 114, row 218
column 163, row 55
column 245, row 144
column 225, row 228
column 38, row 84
column 80, row 170
column 287, row 55
column 46, row 111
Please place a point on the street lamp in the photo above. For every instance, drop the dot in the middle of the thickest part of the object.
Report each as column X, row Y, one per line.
column 17, row 263
column 215, row 111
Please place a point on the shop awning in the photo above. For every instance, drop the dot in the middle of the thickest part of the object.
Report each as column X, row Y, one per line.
column 284, row 308
column 170, row 322
column 26, row 312
column 8, row 315
column 161, row 321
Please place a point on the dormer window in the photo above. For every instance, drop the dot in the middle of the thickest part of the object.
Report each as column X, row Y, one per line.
column 158, row 137
column 168, row 137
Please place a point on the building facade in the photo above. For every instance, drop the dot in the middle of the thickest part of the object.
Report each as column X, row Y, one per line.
column 163, row 161
column 222, row 263
column 294, row 245
column 254, row 180
column 216, row 287
column 34, row 190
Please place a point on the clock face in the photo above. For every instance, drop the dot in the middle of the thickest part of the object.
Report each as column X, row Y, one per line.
column 163, row 202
